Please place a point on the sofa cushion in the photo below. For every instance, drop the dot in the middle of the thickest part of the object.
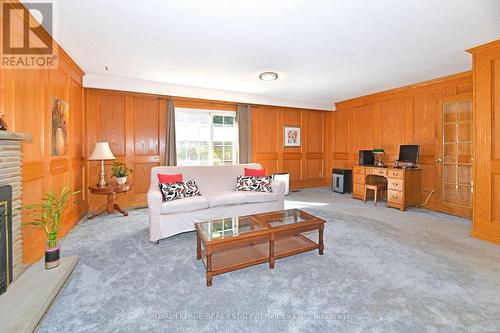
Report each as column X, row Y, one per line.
column 252, row 183
column 255, row 172
column 208, row 178
column 168, row 179
column 179, row 190
column 225, row 198
column 253, row 197
column 184, row 205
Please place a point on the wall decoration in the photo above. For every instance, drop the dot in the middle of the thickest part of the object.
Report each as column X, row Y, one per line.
column 291, row 136
column 3, row 125
column 60, row 118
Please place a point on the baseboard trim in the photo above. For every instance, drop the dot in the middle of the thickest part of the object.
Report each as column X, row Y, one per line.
column 486, row 237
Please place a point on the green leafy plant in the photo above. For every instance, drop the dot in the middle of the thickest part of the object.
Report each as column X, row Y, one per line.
column 118, row 169
column 50, row 212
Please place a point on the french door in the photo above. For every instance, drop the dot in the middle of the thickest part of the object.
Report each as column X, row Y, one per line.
column 454, row 185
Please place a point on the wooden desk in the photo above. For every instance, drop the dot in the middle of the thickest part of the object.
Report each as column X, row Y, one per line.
column 403, row 185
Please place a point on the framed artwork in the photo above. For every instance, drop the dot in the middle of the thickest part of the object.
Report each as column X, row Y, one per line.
column 291, row 136
column 59, row 122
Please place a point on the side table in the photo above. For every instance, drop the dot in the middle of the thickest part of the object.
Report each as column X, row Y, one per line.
column 111, row 191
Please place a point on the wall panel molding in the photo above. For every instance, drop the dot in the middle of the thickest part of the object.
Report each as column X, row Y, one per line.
column 406, row 115
column 486, row 168
column 25, row 100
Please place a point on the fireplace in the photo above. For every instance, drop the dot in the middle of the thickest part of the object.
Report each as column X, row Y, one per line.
column 11, row 193
column 5, row 237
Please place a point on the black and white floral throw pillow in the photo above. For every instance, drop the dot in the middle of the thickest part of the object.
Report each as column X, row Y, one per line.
column 252, row 183
column 179, row 190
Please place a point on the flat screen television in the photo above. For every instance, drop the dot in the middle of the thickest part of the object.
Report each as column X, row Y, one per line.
column 408, row 153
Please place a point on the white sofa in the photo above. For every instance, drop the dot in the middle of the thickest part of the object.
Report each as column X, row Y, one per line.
column 218, row 199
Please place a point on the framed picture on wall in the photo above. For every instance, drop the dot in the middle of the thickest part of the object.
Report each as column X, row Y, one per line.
column 60, row 118
column 291, row 136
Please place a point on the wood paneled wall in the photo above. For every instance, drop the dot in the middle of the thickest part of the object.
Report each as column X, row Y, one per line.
column 407, row 115
column 306, row 164
column 134, row 124
column 25, row 98
column 486, row 201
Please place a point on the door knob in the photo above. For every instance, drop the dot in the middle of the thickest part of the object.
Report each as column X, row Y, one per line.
column 439, row 160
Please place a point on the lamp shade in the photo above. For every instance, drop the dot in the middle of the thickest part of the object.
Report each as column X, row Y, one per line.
column 378, row 151
column 102, row 152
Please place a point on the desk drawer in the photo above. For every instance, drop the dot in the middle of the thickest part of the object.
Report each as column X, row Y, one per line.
column 358, row 179
column 395, row 196
column 377, row 172
column 358, row 190
column 358, row 169
column 395, row 173
column 395, row 184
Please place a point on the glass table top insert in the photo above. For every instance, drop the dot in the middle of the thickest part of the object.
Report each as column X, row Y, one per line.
column 290, row 216
column 229, row 227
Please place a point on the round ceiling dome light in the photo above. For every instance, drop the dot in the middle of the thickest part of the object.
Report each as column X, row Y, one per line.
column 268, row 76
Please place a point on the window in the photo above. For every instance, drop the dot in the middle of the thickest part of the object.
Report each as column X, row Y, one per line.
column 205, row 137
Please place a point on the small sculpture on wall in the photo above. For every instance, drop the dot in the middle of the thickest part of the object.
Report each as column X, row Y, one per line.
column 3, row 125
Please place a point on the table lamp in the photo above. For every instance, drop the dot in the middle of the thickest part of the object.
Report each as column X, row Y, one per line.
column 101, row 153
column 378, row 154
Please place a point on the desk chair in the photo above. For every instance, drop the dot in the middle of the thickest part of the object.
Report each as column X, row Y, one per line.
column 376, row 188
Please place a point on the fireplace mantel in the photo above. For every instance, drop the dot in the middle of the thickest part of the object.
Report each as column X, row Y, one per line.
column 15, row 136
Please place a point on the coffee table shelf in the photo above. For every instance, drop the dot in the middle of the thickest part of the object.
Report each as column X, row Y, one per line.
column 289, row 246
column 237, row 258
column 229, row 244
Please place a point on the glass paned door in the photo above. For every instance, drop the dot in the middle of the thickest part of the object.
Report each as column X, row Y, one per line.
column 457, row 153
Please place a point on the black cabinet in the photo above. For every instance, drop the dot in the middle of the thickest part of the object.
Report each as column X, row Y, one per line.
column 341, row 180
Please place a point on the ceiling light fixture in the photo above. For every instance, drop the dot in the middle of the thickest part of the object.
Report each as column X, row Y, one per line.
column 268, row 76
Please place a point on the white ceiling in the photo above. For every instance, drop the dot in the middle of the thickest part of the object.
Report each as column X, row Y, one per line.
column 323, row 50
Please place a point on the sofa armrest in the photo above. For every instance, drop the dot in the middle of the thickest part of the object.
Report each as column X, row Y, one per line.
column 279, row 188
column 155, row 199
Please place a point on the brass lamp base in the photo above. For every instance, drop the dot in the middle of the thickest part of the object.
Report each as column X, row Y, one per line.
column 102, row 178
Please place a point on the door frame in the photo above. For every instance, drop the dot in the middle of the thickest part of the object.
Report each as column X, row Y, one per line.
column 439, row 204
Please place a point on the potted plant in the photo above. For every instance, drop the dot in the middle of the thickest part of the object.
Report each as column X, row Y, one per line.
column 50, row 212
column 120, row 172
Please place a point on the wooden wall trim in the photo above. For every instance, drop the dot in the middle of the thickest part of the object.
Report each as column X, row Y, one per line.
column 486, row 169
column 112, row 116
column 192, row 102
column 329, row 139
column 305, row 164
column 483, row 47
column 494, row 238
column 366, row 99
column 25, row 100
column 406, row 115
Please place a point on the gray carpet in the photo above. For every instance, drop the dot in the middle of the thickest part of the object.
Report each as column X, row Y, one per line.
column 383, row 271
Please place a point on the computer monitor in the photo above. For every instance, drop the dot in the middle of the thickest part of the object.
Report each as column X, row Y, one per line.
column 408, row 153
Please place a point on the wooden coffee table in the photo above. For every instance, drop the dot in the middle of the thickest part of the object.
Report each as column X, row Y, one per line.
column 229, row 244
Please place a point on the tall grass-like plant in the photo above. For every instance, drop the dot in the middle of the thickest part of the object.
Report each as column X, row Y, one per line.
column 50, row 213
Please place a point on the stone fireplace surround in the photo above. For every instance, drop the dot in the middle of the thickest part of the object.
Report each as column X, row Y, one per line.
column 25, row 302
column 11, row 174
